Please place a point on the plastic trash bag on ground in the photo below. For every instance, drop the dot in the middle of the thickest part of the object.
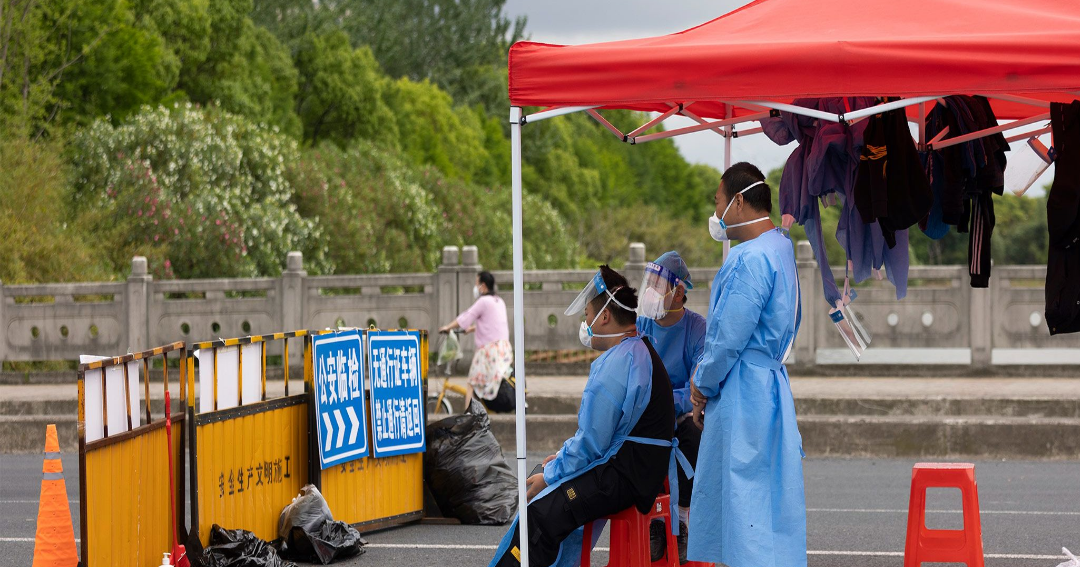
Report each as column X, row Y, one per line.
column 449, row 351
column 238, row 548
column 1073, row 561
column 465, row 470
column 308, row 532
column 307, row 511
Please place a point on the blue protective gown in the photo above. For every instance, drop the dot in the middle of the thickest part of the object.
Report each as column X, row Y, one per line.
column 616, row 394
column 749, row 507
column 680, row 347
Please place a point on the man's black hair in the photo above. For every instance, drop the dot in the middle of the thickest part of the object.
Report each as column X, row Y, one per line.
column 624, row 294
column 488, row 280
column 742, row 175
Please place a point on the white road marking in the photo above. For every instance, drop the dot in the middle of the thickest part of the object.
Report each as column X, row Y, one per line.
column 982, row 512
column 830, row 552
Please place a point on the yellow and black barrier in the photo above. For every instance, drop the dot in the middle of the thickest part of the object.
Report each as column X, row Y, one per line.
column 373, row 492
column 124, row 499
column 248, row 454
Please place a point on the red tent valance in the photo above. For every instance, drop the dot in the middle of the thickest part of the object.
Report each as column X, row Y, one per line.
column 779, row 50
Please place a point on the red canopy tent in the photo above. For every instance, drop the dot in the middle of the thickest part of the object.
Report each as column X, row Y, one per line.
column 1021, row 54
column 778, row 50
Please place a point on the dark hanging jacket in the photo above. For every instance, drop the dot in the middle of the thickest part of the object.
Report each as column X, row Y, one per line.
column 1063, row 222
column 891, row 186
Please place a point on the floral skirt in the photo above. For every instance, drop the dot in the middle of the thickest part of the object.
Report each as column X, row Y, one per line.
column 490, row 365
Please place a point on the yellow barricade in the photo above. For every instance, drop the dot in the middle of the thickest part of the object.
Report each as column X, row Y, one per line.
column 123, row 461
column 249, row 454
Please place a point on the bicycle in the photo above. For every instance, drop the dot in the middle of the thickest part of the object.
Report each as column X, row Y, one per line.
column 452, row 395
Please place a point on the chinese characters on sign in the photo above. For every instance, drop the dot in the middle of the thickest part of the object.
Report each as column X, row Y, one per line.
column 397, row 393
column 249, row 478
column 339, row 397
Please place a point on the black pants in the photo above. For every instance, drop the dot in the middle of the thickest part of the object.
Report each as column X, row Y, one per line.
column 689, row 437
column 599, row 492
column 504, row 401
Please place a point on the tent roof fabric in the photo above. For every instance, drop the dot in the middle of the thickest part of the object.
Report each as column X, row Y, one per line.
column 779, row 50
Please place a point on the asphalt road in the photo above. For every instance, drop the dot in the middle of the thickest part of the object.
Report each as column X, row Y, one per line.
column 857, row 516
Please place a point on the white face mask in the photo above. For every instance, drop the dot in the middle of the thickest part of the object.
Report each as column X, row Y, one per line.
column 585, row 334
column 475, row 292
column 717, row 228
column 653, row 304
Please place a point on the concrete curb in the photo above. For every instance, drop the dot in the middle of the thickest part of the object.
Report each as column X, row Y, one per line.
column 893, row 436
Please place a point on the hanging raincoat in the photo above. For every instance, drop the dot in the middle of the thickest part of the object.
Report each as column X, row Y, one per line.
column 749, row 508
column 618, row 390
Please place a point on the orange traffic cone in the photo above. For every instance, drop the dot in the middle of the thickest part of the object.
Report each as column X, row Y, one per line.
column 54, row 544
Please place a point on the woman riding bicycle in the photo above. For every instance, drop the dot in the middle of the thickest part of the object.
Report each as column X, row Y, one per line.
column 493, row 361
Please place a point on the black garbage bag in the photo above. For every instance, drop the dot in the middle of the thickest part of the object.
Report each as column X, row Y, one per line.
column 308, row 532
column 465, row 470
column 332, row 541
column 239, row 548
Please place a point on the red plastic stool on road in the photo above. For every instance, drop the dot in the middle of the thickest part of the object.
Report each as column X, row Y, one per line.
column 943, row 546
column 630, row 538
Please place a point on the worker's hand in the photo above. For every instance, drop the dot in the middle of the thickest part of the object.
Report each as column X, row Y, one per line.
column 697, row 399
column 444, row 329
column 534, row 485
column 549, row 459
column 471, row 329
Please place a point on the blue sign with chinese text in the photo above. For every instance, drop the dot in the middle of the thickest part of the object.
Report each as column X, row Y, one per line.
column 340, row 407
column 397, row 393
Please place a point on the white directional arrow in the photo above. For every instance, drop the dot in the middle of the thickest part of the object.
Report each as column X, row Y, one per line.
column 329, row 430
column 355, row 425
column 341, row 428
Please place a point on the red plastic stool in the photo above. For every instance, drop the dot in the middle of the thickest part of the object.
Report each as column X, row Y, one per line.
column 630, row 538
column 943, row 546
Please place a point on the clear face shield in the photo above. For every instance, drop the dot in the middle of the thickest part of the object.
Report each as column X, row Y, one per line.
column 1026, row 165
column 592, row 290
column 847, row 321
column 657, row 292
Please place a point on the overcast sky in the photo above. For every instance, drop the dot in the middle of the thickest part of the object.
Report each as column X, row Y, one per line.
column 592, row 21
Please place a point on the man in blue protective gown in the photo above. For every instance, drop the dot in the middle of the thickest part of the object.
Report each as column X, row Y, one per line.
column 620, row 454
column 678, row 334
column 749, row 507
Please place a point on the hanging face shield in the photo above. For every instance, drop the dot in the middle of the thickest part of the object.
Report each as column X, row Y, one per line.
column 847, row 321
column 592, row 290
column 1026, row 164
column 658, row 292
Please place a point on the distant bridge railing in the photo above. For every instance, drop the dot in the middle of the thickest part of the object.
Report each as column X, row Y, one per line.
column 942, row 321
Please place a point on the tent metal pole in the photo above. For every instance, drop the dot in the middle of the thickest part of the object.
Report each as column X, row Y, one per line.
column 603, row 122
column 1027, row 135
column 885, row 107
column 699, row 128
column 727, row 163
column 545, row 114
column 922, row 125
column 989, row 131
column 801, row 111
column 745, row 133
column 698, row 119
column 1020, row 99
column 644, row 127
column 519, row 330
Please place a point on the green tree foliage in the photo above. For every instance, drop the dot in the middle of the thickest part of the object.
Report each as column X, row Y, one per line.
column 201, row 193
column 340, row 93
column 460, row 45
column 39, row 245
column 380, row 215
